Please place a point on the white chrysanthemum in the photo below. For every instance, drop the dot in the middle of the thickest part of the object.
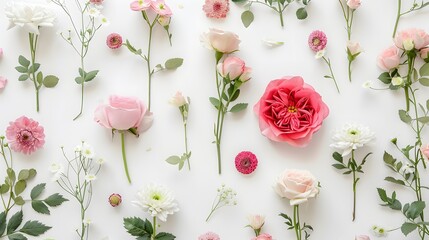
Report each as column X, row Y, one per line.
column 29, row 16
column 351, row 137
column 157, row 200
column 87, row 151
column 90, row 177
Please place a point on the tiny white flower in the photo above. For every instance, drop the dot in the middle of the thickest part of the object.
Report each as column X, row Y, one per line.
column 101, row 161
column 87, row 151
column 397, row 81
column 367, row 84
column 406, row 169
column 87, row 221
column 90, row 177
column 94, row 12
column 351, row 137
column 378, row 231
column 55, row 167
column 408, row 44
column 104, row 20
column 320, row 54
column 272, row 43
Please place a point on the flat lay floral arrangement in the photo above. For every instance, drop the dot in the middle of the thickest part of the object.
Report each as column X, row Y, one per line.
column 237, row 119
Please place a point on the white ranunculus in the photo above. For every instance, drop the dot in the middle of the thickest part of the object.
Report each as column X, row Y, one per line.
column 351, row 137
column 29, row 16
column 157, row 200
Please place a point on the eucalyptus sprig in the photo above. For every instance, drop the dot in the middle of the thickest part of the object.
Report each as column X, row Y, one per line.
column 279, row 6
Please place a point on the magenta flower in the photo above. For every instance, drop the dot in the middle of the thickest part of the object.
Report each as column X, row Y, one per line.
column 25, row 135
column 216, row 8
column 317, row 41
column 209, row 236
column 114, row 41
column 246, row 162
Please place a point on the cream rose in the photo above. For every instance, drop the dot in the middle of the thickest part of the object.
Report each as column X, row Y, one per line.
column 220, row 41
column 296, row 185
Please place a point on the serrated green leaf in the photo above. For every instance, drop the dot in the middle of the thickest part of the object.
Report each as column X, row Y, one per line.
column 247, row 18
column 14, row 222
column 137, row 227
column 165, row 236
column 37, row 190
column 91, row 75
column 424, row 82
column 17, row 236
column 23, row 77
column 173, row 63
column 34, row 228
column 382, row 194
column 403, row 115
column 2, row 223
column 23, row 61
column 385, row 78
column 19, row 201
column 23, row 174
column 20, row 187
column 301, row 13
column 40, row 207
column 50, row 81
column 55, row 200
column 173, row 160
column 407, row 228
column 388, row 159
column 21, row 69
column 393, row 180
column 239, row 107
column 424, row 70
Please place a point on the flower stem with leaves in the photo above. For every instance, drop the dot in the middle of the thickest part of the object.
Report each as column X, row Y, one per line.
column 415, row 7
column 295, row 224
column 144, row 229
column 331, row 76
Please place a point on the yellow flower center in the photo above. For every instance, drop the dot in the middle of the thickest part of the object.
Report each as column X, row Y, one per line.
column 292, row 109
column 316, row 42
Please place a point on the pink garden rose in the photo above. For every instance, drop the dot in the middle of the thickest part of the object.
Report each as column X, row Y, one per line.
column 297, row 186
column 290, row 111
column 123, row 113
column 25, row 135
column 220, row 41
column 263, row 236
column 389, row 59
column 233, row 67
column 353, row 4
column 425, row 151
column 3, row 82
column 140, row 5
column 412, row 38
column 161, row 8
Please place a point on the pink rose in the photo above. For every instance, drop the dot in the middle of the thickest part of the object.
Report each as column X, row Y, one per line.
column 233, row 67
column 425, row 151
column 296, row 185
column 3, row 82
column 123, row 113
column 424, row 53
column 362, row 237
column 389, row 59
column 161, row 8
column 264, row 236
column 354, row 47
column 412, row 38
column 220, row 41
column 290, row 111
column 140, row 5
column 353, row 4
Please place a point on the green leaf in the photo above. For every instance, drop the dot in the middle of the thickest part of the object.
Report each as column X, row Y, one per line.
column 164, row 236
column 34, row 228
column 215, row 102
column 81, row 72
column 40, row 207
column 34, row 68
column 50, row 81
column 37, row 190
column 235, row 96
column 337, row 157
column 23, row 174
column 423, row 120
column 393, row 180
column 23, row 61
column 427, row 104
column 407, row 228
column 55, row 200
column 91, row 75
column 39, row 77
column 78, row 80
column 239, row 107
column 173, row 63
column 23, row 77
column 20, row 187
column 382, row 194
column 2, row 223
column 301, row 13
column 17, row 236
column 19, row 201
column 137, row 227
column 415, row 209
column 385, row 78
column 14, row 222
column 21, row 69
column 247, row 18
column 32, row 173
column 388, row 159
column 173, row 160
column 403, row 115
column 424, row 82
column 424, row 70
column 11, row 175
column 181, row 164
column 238, row 1
column 339, row 166
column 4, row 188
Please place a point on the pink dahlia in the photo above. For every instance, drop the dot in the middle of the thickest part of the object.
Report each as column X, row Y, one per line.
column 216, row 8
column 114, row 41
column 209, row 236
column 246, row 162
column 25, row 135
column 317, row 40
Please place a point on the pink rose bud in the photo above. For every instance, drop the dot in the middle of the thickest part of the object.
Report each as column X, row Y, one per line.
column 178, row 100
column 354, row 47
column 362, row 237
column 232, row 67
column 424, row 53
column 389, row 59
column 115, row 199
column 3, row 82
column 353, row 4
column 264, row 236
column 114, row 41
column 425, row 151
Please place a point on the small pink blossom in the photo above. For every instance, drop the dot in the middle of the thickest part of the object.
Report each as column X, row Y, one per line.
column 25, row 135
column 317, row 41
column 263, row 236
column 96, row 2
column 216, row 8
column 3, row 82
column 354, row 4
column 114, row 41
column 209, row 236
column 161, row 8
column 389, row 59
column 140, row 5
column 246, row 162
column 425, row 151
column 424, row 53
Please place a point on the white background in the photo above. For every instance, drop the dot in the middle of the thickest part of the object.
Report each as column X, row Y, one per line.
column 125, row 74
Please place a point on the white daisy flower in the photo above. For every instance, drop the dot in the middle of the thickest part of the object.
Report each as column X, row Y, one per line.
column 90, row 177
column 94, row 12
column 351, row 137
column 87, row 151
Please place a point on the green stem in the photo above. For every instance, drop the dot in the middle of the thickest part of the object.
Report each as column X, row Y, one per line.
column 82, row 217
column 83, row 50
column 280, row 13
column 328, row 62
column 186, row 143
column 296, row 223
column 354, row 186
column 124, row 156
column 350, row 70
column 33, row 45
column 154, row 228
column 218, row 130
column 398, row 16
column 149, row 69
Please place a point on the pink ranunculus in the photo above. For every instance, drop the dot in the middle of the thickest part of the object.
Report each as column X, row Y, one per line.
column 114, row 41
column 25, row 135
column 161, row 8
column 263, row 236
column 3, row 82
column 140, row 5
column 290, row 111
column 123, row 113
column 425, row 151
column 297, row 186
column 412, row 38
column 317, row 41
column 362, row 237
column 220, row 41
column 389, row 59
column 354, row 4
column 209, row 236
column 424, row 53
column 232, row 67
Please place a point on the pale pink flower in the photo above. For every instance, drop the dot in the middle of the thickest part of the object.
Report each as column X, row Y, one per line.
column 178, row 100
column 96, row 2
column 389, row 59
column 140, row 5
column 220, row 41
column 164, row 20
column 114, row 41
column 216, row 8
column 424, row 53
column 232, row 67
column 354, row 47
column 25, row 135
column 354, row 4
column 362, row 237
column 412, row 38
column 425, row 151
column 297, row 186
column 263, row 236
column 3, row 82
column 161, row 8
column 209, row 236
column 317, row 41
column 256, row 221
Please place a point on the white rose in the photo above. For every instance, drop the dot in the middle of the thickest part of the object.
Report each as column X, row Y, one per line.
column 256, row 221
column 220, row 41
column 397, row 81
column 29, row 16
column 178, row 100
column 296, row 185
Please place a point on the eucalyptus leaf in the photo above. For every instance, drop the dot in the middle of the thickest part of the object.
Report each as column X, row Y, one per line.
column 423, row 120
column 50, row 81
column 407, row 228
column 11, row 175
column 403, row 115
column 23, row 61
column 424, row 70
column 23, row 77
column 21, row 69
column 4, row 188
column 301, row 13
column 32, row 173
column 20, row 187
column 78, row 80
column 173, row 63
column 173, row 160
column 239, row 107
column 247, row 18
column 424, row 82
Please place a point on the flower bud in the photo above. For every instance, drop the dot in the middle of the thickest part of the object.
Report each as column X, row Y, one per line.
column 256, row 221
column 115, row 199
